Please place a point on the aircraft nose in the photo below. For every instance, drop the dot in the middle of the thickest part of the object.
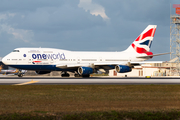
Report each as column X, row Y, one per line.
column 4, row 60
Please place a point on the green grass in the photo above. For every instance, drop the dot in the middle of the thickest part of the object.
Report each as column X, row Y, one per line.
column 85, row 99
column 27, row 116
column 114, row 115
column 44, row 112
column 111, row 115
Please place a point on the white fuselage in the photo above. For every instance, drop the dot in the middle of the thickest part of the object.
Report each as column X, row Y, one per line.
column 26, row 58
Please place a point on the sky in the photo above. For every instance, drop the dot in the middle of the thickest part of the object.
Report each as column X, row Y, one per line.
column 83, row 25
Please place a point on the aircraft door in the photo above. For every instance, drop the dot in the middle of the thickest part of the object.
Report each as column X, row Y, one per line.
column 78, row 60
column 100, row 59
column 29, row 59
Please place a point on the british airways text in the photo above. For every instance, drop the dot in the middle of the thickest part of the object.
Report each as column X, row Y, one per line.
column 49, row 56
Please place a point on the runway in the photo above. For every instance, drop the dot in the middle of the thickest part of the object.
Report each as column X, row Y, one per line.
column 87, row 81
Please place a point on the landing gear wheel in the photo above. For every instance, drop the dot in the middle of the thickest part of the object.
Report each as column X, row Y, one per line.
column 86, row 76
column 20, row 75
column 65, row 74
column 77, row 75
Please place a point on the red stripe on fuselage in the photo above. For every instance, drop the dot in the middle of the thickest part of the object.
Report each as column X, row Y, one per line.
column 37, row 61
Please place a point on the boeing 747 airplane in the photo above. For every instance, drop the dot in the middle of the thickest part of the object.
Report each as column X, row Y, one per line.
column 45, row 60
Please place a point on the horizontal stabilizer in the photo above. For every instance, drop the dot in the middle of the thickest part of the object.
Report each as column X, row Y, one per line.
column 147, row 56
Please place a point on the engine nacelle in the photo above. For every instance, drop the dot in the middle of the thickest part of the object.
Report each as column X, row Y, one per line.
column 85, row 70
column 123, row 68
column 42, row 72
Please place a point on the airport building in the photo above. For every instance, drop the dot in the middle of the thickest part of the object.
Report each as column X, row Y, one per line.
column 148, row 69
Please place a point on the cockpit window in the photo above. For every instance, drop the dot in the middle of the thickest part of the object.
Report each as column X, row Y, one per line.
column 15, row 50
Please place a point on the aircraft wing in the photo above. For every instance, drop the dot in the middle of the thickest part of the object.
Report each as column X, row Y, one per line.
column 90, row 64
column 93, row 65
column 71, row 65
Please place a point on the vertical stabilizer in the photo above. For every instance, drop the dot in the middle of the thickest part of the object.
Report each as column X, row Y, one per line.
column 143, row 42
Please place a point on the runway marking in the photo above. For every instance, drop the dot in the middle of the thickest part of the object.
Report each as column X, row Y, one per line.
column 30, row 82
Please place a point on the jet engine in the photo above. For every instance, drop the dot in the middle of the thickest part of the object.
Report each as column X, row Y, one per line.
column 42, row 72
column 85, row 70
column 123, row 68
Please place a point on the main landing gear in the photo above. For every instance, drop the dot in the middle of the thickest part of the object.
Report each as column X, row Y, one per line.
column 77, row 75
column 84, row 76
column 65, row 74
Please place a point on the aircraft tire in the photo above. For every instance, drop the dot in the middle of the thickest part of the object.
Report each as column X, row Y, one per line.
column 77, row 75
column 65, row 75
column 86, row 76
column 20, row 75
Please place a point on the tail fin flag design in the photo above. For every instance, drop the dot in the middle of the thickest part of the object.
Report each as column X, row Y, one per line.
column 143, row 42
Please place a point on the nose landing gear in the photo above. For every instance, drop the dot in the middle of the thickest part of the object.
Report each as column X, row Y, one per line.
column 20, row 73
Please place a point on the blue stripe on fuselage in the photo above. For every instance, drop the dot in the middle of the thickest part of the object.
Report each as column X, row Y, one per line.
column 41, row 67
